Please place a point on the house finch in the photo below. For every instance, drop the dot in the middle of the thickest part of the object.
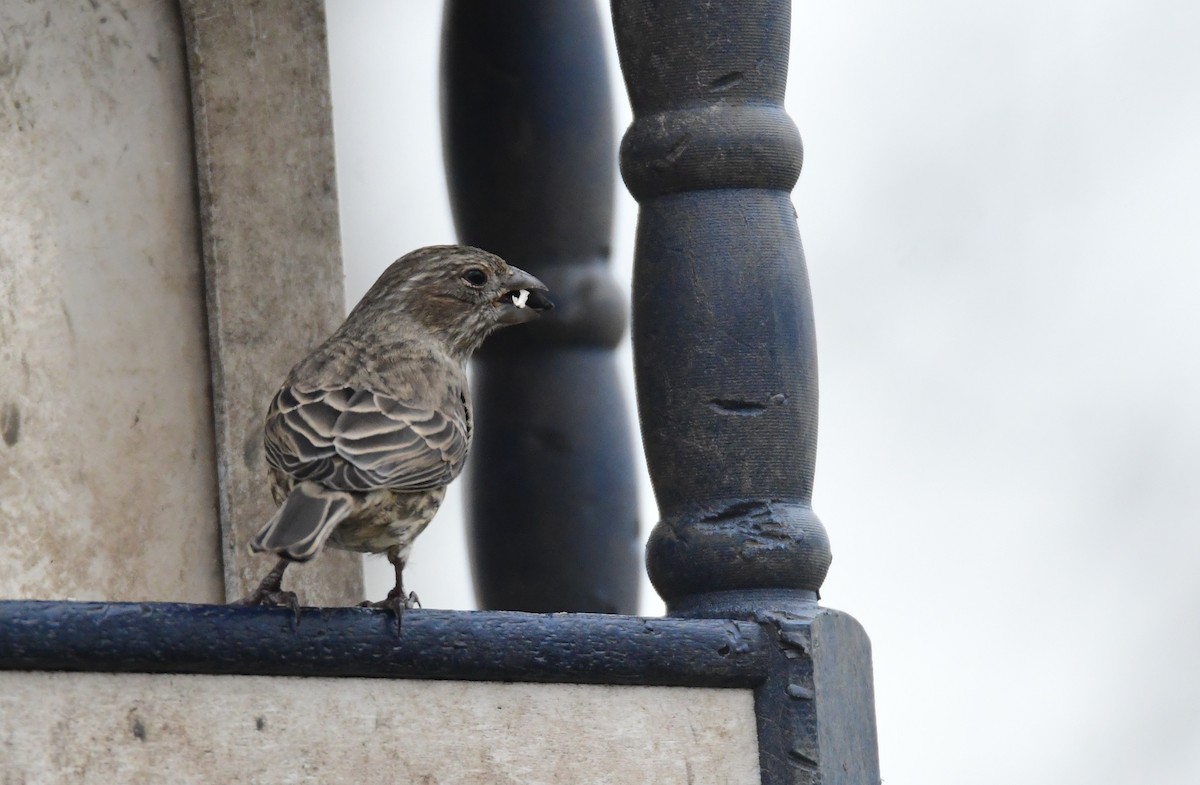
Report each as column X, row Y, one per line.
column 367, row 431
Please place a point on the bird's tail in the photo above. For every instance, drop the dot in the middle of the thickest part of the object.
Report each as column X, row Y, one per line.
column 304, row 521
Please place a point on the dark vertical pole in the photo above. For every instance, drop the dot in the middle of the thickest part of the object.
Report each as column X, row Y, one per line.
column 725, row 357
column 527, row 125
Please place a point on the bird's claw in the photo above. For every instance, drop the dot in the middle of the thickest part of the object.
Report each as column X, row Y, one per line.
column 272, row 598
column 394, row 600
column 397, row 603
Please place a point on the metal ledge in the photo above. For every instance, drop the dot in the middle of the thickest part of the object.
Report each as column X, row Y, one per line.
column 364, row 642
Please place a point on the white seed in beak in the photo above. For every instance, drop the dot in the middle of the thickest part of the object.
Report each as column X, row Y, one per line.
column 520, row 298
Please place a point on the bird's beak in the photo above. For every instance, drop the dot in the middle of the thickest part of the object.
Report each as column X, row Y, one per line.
column 524, row 298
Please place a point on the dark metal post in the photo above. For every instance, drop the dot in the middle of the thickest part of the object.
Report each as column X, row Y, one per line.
column 725, row 358
column 528, row 136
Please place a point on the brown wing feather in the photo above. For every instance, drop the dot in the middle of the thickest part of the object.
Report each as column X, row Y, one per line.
column 359, row 440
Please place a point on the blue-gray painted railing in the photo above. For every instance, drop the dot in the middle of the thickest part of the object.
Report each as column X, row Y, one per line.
column 725, row 360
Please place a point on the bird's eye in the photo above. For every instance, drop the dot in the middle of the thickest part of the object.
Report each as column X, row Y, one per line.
column 475, row 277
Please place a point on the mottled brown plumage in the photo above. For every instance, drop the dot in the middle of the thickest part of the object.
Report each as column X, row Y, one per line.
column 367, row 431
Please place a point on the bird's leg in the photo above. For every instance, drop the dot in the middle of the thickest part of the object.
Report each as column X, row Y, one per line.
column 397, row 593
column 270, row 591
column 396, row 601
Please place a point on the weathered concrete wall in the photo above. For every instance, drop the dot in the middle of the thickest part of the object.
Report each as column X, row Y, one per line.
column 128, row 248
column 60, row 728
column 107, row 481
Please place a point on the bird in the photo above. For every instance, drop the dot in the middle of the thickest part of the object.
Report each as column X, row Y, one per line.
column 366, row 432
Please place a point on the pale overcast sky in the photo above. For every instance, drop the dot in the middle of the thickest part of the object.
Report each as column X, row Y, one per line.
column 1001, row 212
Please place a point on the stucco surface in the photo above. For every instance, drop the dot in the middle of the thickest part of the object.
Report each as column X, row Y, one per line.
column 168, row 249
column 59, row 728
column 107, row 482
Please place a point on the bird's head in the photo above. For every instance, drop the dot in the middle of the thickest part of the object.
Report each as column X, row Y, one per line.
column 457, row 293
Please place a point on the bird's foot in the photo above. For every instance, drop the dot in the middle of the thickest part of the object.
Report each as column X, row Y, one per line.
column 267, row 596
column 396, row 602
column 270, row 592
